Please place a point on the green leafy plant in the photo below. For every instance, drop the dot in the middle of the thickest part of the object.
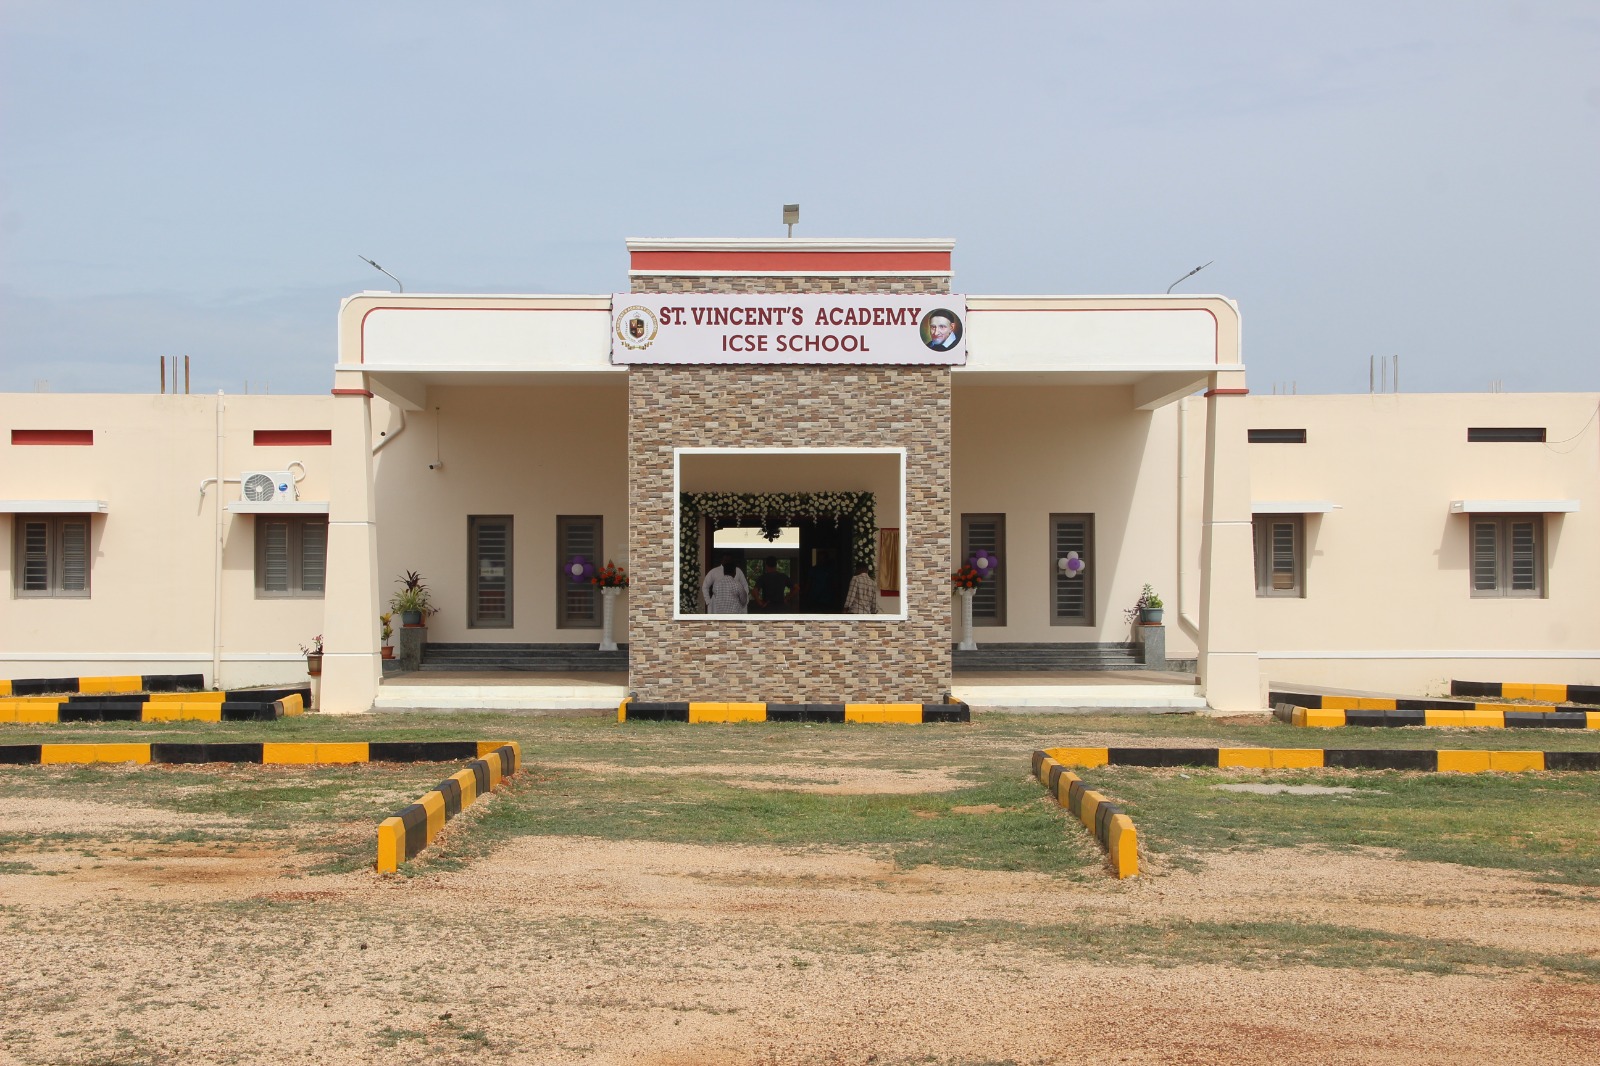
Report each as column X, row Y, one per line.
column 1148, row 598
column 413, row 595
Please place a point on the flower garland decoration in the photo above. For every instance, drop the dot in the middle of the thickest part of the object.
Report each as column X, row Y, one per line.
column 770, row 511
column 610, row 576
column 579, row 569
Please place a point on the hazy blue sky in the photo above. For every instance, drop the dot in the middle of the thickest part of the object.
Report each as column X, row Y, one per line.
column 1420, row 179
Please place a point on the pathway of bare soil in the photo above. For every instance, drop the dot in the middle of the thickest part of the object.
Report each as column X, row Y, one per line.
column 557, row 950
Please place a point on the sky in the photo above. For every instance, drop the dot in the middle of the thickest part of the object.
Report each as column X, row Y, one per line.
column 1411, row 179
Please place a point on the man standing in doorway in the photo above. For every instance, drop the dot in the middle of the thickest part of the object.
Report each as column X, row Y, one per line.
column 863, row 595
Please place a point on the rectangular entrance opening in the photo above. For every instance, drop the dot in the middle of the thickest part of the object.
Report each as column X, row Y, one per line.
column 797, row 525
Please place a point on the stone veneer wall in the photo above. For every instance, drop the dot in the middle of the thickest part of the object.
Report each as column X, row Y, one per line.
column 859, row 659
column 867, row 660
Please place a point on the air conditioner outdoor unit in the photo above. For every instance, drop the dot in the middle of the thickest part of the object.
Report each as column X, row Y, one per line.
column 268, row 486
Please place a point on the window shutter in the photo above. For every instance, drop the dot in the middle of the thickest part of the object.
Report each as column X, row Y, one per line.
column 313, row 556
column 1283, row 563
column 1074, row 596
column 275, row 556
column 35, row 556
column 74, row 556
column 986, row 531
column 579, row 605
column 491, row 575
column 1524, row 558
column 1485, row 566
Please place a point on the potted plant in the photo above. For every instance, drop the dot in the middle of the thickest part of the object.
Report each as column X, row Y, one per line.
column 1146, row 610
column 313, row 654
column 413, row 600
column 388, row 631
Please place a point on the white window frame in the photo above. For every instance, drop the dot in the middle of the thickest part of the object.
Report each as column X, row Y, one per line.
column 1262, row 532
column 54, row 560
column 677, row 518
column 294, row 548
column 1502, row 561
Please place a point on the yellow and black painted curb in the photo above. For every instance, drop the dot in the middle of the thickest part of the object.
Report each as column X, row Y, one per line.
column 1508, row 690
column 41, row 686
column 1331, row 712
column 907, row 713
column 1110, row 825
column 304, row 754
column 156, row 707
column 415, row 826
column 1426, row 759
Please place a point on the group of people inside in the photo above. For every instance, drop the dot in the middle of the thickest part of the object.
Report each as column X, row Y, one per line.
column 728, row 591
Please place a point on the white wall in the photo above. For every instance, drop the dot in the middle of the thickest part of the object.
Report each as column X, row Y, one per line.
column 1029, row 452
column 530, row 452
column 150, row 608
column 1387, row 602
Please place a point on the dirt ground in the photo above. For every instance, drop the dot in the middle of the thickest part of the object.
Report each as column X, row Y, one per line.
column 560, row 950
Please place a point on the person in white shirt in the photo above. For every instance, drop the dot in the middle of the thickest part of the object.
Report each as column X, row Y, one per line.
column 725, row 588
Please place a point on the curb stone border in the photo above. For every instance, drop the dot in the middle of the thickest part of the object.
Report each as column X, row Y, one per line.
column 404, row 835
column 1108, row 822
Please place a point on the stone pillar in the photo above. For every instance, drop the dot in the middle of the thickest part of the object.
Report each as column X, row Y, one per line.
column 1230, row 673
column 352, row 662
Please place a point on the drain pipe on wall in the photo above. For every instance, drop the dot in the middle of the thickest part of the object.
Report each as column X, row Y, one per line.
column 216, row 575
column 388, row 438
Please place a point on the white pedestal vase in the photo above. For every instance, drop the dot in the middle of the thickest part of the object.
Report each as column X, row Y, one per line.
column 608, row 615
column 967, row 641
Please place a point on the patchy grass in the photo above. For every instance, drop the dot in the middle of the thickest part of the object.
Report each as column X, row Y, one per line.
column 586, row 775
column 1541, row 824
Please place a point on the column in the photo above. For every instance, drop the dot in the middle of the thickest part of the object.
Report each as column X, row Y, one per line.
column 352, row 662
column 1230, row 671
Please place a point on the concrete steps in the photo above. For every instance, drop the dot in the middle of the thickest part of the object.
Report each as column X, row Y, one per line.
column 532, row 658
column 1004, row 657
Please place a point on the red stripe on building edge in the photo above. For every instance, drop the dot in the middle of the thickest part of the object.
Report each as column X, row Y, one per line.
column 52, row 436
column 1227, row 392
column 646, row 262
column 267, row 438
column 353, row 392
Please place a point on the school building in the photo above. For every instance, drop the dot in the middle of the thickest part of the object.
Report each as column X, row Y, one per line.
column 813, row 407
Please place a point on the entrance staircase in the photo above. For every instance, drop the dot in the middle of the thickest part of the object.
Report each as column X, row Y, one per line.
column 526, row 658
column 1025, row 658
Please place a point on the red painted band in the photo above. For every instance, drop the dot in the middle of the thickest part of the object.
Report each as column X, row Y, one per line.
column 52, row 436
column 645, row 262
column 1227, row 392
column 267, row 438
column 352, row 392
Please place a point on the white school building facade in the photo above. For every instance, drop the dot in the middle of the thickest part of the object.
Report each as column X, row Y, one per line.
column 824, row 404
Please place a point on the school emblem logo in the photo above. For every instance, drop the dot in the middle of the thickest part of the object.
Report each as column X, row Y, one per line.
column 636, row 328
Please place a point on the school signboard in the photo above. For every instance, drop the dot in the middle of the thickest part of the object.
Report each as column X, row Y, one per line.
column 704, row 328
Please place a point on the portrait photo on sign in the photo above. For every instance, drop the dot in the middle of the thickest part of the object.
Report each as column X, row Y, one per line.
column 941, row 329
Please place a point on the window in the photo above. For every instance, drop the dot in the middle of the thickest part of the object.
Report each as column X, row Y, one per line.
column 489, row 571
column 1071, row 592
column 1280, row 554
column 291, row 557
column 577, row 606
column 52, row 555
column 1505, row 434
column 986, row 531
column 1508, row 555
column 1276, row 436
